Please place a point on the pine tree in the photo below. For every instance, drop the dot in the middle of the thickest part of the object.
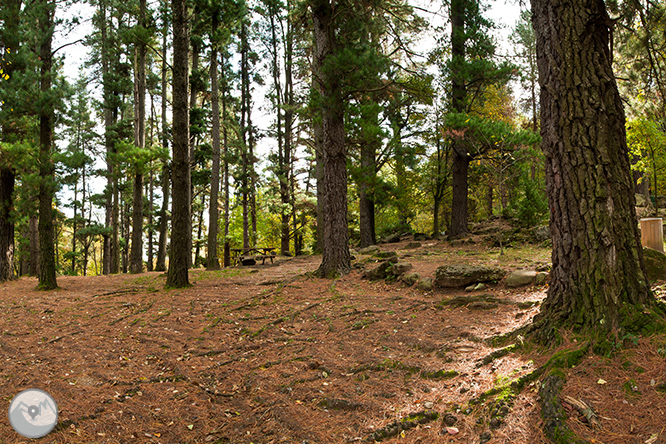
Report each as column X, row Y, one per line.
column 598, row 279
column 177, row 275
column 47, row 266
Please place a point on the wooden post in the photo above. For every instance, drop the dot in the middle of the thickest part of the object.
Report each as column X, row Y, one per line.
column 652, row 233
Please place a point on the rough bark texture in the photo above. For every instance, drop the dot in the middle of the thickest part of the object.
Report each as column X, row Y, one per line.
column 213, row 263
column 461, row 160
column 136, row 254
column 160, row 263
column 9, row 34
column 177, row 276
column 336, row 258
column 598, row 273
column 47, row 266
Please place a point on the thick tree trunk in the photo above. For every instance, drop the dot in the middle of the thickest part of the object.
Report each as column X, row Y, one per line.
column 177, row 276
column 213, row 263
column 9, row 34
column 336, row 258
column 6, row 224
column 598, row 278
column 459, row 188
column 47, row 266
column 33, row 223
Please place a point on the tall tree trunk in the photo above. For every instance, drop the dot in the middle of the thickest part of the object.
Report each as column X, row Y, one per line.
column 245, row 130
column 225, row 147
column 213, row 263
column 366, row 200
column 160, row 263
column 193, row 139
column 108, row 116
column 6, row 224
column 136, row 254
column 9, row 35
column 177, row 276
column 35, row 260
column 289, row 196
column 318, row 134
column 461, row 160
column 336, row 258
column 47, row 266
column 598, row 278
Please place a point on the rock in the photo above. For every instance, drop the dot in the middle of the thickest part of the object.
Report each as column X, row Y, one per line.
column 385, row 254
column 544, row 267
column 425, row 284
column 413, row 245
column 421, row 237
column 655, row 264
column 369, row 250
column 378, row 272
column 392, row 239
column 463, row 275
column 541, row 233
column 520, row 278
column 400, row 268
column 476, row 287
column 409, row 279
column 540, row 278
column 429, row 404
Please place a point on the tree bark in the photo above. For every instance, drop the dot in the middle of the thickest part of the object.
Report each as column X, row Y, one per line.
column 459, row 186
column 213, row 263
column 160, row 263
column 10, row 36
column 6, row 224
column 177, row 276
column 47, row 266
column 136, row 254
column 598, row 278
column 336, row 258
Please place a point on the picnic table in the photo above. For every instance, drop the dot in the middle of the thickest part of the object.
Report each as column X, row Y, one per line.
column 250, row 256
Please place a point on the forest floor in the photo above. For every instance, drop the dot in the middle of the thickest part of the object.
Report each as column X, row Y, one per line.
column 269, row 354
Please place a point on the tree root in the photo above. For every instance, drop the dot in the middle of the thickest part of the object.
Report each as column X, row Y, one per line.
column 401, row 425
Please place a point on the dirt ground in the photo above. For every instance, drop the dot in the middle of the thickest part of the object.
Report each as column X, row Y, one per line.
column 269, row 354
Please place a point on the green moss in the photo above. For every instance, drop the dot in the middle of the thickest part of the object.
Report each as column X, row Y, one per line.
column 440, row 374
column 568, row 358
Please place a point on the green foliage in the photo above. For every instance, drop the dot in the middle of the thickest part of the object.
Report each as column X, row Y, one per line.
column 531, row 207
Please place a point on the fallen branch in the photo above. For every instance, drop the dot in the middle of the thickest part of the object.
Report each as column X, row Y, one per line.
column 584, row 410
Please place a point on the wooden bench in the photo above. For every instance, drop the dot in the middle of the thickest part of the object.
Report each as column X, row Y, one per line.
column 250, row 256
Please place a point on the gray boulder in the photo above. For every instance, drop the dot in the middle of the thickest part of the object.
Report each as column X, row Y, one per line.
column 463, row 275
column 409, row 279
column 655, row 264
column 541, row 233
column 425, row 284
column 540, row 278
column 400, row 268
column 369, row 250
column 520, row 278
column 413, row 245
column 377, row 273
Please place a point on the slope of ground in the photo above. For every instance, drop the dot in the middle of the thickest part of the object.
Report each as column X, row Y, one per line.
column 270, row 354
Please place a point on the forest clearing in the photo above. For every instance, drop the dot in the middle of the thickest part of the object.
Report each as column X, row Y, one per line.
column 270, row 354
